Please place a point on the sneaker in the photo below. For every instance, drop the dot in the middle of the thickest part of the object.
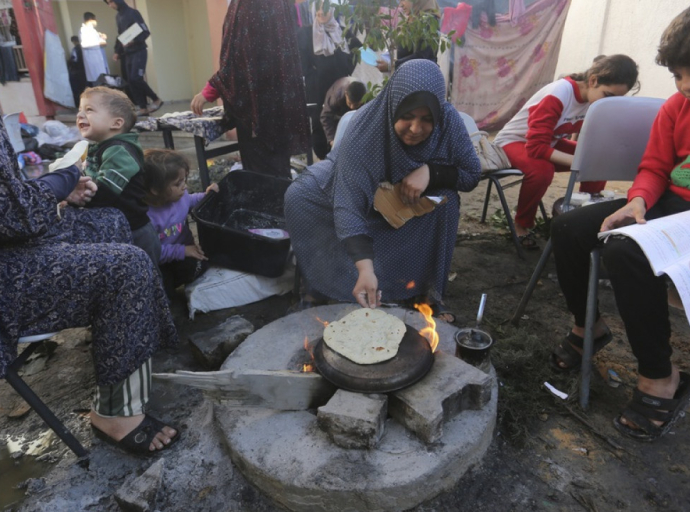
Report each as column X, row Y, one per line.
column 155, row 105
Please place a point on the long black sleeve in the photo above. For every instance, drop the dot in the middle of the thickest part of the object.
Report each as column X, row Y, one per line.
column 442, row 176
column 359, row 247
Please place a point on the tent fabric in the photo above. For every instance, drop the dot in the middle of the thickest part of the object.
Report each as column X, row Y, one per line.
column 500, row 67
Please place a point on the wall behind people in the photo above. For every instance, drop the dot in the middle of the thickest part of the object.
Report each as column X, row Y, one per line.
column 180, row 56
column 596, row 27
column 69, row 17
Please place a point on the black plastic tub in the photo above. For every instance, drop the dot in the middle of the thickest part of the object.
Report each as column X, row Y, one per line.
column 246, row 200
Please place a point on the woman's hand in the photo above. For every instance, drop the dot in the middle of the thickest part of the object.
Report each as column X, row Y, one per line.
column 382, row 66
column 366, row 290
column 198, row 103
column 214, row 187
column 414, row 184
column 83, row 192
column 194, row 251
column 631, row 213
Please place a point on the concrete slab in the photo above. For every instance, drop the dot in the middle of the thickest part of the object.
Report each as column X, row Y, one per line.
column 288, row 457
column 212, row 346
column 354, row 420
column 452, row 386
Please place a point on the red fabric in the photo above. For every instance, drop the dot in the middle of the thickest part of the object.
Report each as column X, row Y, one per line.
column 543, row 127
column 538, row 176
column 260, row 78
column 669, row 144
column 210, row 93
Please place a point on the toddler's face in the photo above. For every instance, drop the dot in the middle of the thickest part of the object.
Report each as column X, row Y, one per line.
column 176, row 189
column 682, row 78
column 94, row 120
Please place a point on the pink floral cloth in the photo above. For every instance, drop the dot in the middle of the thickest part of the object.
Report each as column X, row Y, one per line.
column 499, row 68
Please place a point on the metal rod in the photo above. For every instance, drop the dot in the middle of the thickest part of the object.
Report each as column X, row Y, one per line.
column 480, row 313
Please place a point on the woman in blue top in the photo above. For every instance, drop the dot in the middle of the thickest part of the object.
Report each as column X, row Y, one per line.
column 408, row 134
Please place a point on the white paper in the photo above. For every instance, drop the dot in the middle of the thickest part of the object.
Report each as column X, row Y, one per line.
column 128, row 35
column 666, row 243
column 555, row 391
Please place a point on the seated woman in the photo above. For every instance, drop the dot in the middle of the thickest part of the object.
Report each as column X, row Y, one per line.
column 69, row 267
column 534, row 139
column 661, row 188
column 408, row 134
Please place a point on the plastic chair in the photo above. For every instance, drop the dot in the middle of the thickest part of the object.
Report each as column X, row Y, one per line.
column 610, row 147
column 494, row 178
column 13, row 379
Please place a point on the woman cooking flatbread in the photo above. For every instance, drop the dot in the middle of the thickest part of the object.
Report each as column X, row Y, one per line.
column 409, row 135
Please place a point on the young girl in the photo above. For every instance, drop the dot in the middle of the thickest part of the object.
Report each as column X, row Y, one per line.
column 166, row 173
column 534, row 139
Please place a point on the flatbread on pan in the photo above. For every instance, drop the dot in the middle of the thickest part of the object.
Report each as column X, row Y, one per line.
column 365, row 336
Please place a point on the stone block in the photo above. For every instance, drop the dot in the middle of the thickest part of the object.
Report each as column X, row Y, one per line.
column 212, row 347
column 354, row 420
column 450, row 387
column 139, row 494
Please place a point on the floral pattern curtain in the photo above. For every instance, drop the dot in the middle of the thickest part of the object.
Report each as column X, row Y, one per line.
column 498, row 68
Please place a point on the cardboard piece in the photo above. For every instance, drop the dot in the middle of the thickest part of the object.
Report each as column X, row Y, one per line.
column 128, row 35
column 388, row 202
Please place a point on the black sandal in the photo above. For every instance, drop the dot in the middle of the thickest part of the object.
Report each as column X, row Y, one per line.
column 644, row 408
column 528, row 241
column 139, row 440
column 565, row 351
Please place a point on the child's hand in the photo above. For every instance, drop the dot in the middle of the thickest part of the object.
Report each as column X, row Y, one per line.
column 194, row 251
column 212, row 186
column 631, row 213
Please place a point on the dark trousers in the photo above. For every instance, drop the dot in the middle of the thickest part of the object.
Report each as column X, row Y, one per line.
column 177, row 273
column 641, row 297
column 258, row 157
column 135, row 66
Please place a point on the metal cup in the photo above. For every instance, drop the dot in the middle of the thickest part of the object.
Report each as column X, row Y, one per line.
column 472, row 346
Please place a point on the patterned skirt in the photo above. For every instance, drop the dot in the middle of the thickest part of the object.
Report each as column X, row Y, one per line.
column 84, row 272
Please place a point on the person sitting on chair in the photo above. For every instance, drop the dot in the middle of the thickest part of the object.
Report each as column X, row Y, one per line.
column 534, row 139
column 73, row 267
column 661, row 188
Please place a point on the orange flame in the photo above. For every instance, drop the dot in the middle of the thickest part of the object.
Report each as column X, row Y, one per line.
column 308, row 367
column 410, row 285
column 429, row 332
column 323, row 322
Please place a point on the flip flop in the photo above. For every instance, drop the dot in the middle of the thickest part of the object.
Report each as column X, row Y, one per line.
column 644, row 408
column 565, row 352
column 138, row 440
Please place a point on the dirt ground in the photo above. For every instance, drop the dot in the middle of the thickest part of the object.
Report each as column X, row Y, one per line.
column 547, row 454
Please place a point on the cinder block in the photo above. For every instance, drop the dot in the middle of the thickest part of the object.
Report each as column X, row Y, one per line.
column 450, row 387
column 213, row 346
column 354, row 420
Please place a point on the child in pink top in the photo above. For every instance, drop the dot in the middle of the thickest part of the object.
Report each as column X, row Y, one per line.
column 535, row 138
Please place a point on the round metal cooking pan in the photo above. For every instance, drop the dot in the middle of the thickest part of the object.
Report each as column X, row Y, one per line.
column 412, row 362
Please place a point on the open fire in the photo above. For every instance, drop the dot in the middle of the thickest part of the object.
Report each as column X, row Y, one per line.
column 308, row 367
column 429, row 332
